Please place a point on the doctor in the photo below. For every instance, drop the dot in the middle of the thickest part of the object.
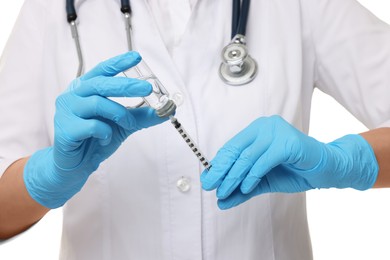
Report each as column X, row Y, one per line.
column 140, row 197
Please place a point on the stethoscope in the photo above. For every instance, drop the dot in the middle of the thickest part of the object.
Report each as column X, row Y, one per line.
column 237, row 67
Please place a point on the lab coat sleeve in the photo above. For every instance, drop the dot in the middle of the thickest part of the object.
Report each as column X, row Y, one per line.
column 352, row 57
column 21, row 108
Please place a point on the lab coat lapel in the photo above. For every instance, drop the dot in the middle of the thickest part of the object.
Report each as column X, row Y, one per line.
column 209, row 22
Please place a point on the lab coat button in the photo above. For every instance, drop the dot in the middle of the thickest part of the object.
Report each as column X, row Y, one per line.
column 183, row 184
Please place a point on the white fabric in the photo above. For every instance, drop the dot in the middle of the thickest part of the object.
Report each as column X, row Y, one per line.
column 171, row 18
column 131, row 208
column 385, row 124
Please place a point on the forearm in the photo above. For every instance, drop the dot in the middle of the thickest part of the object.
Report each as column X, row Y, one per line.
column 18, row 210
column 379, row 139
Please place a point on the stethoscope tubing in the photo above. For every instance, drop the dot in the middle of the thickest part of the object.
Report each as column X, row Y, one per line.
column 71, row 14
column 71, row 17
column 125, row 6
column 239, row 23
column 239, row 17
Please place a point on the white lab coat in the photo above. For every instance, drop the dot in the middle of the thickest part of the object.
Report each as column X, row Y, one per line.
column 131, row 208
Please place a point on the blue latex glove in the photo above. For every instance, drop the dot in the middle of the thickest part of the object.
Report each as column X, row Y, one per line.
column 88, row 128
column 270, row 155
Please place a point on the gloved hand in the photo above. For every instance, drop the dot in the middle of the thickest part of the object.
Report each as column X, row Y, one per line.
column 88, row 128
column 270, row 155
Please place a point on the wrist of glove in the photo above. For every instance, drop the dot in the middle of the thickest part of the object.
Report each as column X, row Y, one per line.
column 270, row 155
column 347, row 162
column 50, row 185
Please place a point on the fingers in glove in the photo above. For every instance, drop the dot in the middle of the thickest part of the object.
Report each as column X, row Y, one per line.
column 272, row 157
column 72, row 129
column 277, row 180
column 114, row 66
column 237, row 198
column 97, row 106
column 239, row 170
column 113, row 87
column 146, row 117
column 225, row 158
column 246, row 160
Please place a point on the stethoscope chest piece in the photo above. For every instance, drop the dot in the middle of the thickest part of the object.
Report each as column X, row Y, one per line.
column 237, row 67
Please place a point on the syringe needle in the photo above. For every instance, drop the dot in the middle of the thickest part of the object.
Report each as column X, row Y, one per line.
column 190, row 143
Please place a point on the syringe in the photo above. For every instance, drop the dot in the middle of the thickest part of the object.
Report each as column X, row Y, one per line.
column 164, row 105
column 190, row 142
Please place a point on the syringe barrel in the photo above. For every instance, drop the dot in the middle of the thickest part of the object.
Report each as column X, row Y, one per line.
column 195, row 149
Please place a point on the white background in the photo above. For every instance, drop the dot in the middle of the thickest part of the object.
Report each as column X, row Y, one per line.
column 344, row 224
